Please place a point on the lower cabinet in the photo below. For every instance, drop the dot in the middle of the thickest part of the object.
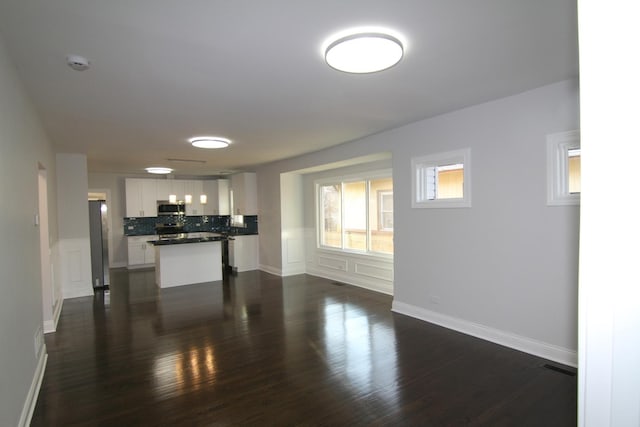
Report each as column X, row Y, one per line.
column 243, row 253
column 140, row 253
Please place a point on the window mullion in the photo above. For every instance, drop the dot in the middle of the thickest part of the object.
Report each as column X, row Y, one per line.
column 342, row 216
column 367, row 197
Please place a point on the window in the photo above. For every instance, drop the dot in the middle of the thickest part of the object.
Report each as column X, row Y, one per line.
column 442, row 180
column 356, row 214
column 563, row 168
column 385, row 210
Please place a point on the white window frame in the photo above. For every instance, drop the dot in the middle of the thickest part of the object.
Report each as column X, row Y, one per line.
column 420, row 185
column 381, row 194
column 365, row 176
column 558, row 146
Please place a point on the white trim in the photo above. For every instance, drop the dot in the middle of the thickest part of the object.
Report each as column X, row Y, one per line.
column 349, row 279
column 78, row 293
column 271, row 270
column 51, row 325
column 418, row 164
column 557, row 168
column 139, row 266
column 508, row 339
column 34, row 390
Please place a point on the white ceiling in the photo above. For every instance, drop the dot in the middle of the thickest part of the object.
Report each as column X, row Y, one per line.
column 165, row 70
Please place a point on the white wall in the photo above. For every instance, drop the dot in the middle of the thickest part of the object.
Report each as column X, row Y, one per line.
column 23, row 145
column 292, row 223
column 609, row 348
column 505, row 269
column 73, row 225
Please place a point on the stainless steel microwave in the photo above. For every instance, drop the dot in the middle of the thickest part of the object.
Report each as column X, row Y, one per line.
column 167, row 208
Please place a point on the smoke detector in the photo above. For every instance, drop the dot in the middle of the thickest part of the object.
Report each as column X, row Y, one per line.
column 77, row 62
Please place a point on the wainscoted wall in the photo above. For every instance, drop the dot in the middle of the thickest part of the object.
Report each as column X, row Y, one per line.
column 375, row 273
column 73, row 225
column 75, row 267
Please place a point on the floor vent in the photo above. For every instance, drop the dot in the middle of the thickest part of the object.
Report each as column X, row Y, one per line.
column 338, row 283
column 559, row 369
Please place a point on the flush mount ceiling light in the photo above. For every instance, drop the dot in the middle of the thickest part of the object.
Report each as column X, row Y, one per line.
column 363, row 51
column 159, row 170
column 209, row 142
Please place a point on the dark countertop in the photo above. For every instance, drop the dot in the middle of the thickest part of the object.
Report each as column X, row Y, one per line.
column 183, row 240
column 241, row 233
column 223, row 233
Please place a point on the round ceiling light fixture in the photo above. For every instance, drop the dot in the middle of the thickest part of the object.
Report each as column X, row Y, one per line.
column 209, row 142
column 363, row 51
column 159, row 170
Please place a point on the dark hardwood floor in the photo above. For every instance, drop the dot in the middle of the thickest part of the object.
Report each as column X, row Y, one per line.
column 260, row 350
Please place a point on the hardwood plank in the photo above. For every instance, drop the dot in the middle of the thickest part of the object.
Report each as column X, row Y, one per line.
column 257, row 349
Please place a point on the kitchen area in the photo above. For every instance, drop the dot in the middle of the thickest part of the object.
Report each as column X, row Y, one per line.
column 191, row 230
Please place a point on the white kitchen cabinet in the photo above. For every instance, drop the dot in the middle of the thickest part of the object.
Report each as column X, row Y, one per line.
column 139, row 252
column 194, row 188
column 177, row 187
column 244, row 193
column 140, row 197
column 163, row 189
column 217, row 191
column 243, row 253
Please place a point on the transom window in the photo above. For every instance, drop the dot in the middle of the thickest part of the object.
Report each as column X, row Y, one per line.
column 356, row 214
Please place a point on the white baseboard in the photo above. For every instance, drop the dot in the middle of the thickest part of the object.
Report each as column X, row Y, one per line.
column 139, row 266
column 118, row 264
column 51, row 325
column 77, row 293
column 507, row 339
column 34, row 390
column 348, row 279
column 271, row 270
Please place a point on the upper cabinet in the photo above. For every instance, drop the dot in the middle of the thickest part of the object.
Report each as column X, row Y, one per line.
column 244, row 194
column 163, row 189
column 141, row 197
column 193, row 189
column 217, row 192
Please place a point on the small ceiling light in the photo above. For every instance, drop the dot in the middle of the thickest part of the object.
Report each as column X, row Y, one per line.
column 159, row 170
column 209, row 142
column 363, row 52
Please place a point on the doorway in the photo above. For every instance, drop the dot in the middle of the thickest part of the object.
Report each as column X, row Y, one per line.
column 99, row 235
column 49, row 298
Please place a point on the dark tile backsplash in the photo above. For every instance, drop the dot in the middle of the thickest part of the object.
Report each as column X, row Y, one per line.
column 214, row 223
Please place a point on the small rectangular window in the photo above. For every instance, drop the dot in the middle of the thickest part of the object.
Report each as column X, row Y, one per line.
column 563, row 168
column 442, row 180
column 574, row 170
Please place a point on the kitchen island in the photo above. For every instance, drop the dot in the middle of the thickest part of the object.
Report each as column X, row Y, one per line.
column 188, row 260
